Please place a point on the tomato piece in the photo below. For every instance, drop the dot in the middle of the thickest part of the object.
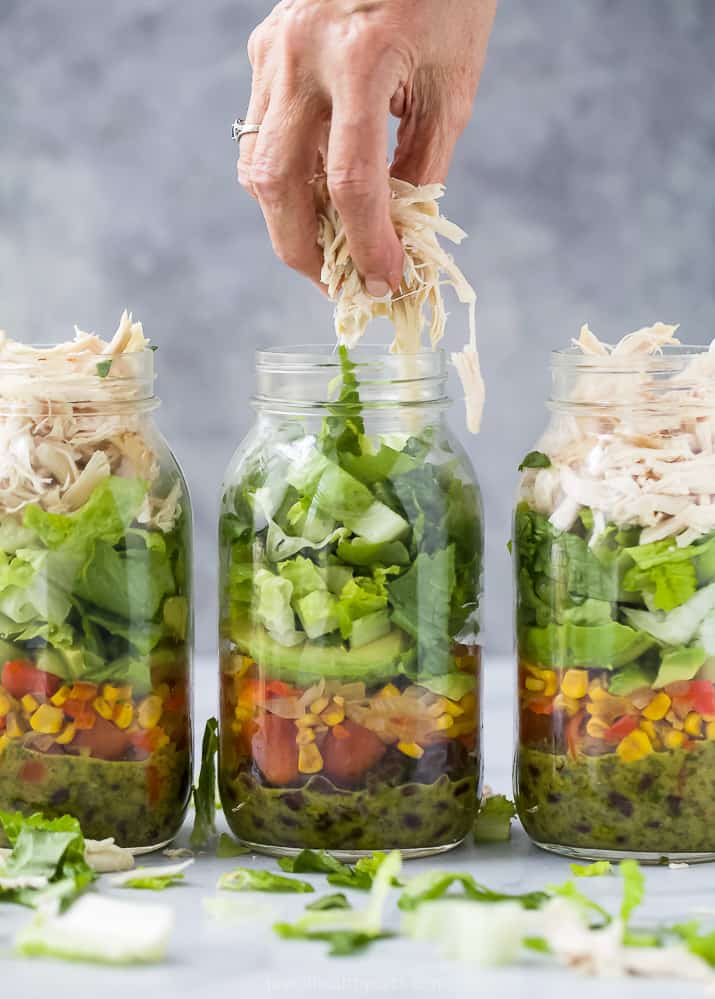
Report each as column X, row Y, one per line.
column 175, row 702
column 80, row 712
column 21, row 676
column 541, row 705
column 620, row 729
column 104, row 739
column 346, row 758
column 703, row 696
column 32, row 772
column 277, row 688
column 274, row 748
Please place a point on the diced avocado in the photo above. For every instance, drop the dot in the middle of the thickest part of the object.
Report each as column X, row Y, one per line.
column 625, row 681
column 369, row 628
column 378, row 524
column 360, row 552
column 176, row 616
column 9, row 651
column 679, row 664
column 305, row 664
column 67, row 664
column 318, row 613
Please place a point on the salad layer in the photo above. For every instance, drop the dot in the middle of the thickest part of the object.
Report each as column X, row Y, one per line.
column 350, row 670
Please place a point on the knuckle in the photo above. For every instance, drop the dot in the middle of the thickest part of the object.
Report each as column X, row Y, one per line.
column 350, row 185
column 268, row 180
column 255, row 44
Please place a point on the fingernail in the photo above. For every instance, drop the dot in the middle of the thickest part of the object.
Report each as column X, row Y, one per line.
column 377, row 288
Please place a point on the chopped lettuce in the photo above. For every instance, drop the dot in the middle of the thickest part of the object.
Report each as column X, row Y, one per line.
column 436, row 884
column 421, row 606
column 273, row 607
column 595, row 870
column 608, row 646
column 493, row 824
column 155, row 878
column 318, row 613
column 204, row 793
column 248, row 879
column 100, row 930
column 304, row 576
column 334, row 901
column 227, row 846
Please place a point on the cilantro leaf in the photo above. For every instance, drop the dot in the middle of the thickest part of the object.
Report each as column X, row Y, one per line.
column 535, row 459
column 103, row 368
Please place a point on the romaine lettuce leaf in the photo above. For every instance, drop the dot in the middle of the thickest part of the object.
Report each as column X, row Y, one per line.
column 130, row 584
column 679, row 626
column 250, row 879
column 204, row 792
column 273, row 607
column 421, row 600
column 304, row 576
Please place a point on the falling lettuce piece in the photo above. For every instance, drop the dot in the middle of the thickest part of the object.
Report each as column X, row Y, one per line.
column 248, row 879
column 436, row 884
column 237, row 909
column 204, row 794
column 483, row 935
column 493, row 824
column 155, row 878
column 349, row 930
column 581, row 903
column 535, row 459
column 100, row 930
column 633, row 888
column 229, row 847
column 597, row 869
column 336, row 901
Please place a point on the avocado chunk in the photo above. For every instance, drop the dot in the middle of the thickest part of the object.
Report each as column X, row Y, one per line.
column 625, row 681
column 679, row 664
column 8, row 651
column 305, row 664
column 369, row 628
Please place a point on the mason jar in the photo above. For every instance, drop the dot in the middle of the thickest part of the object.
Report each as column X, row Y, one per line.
column 95, row 595
column 350, row 581
column 614, row 554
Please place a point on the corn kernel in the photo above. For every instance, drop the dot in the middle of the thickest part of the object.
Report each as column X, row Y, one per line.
column 469, row 703
column 443, row 722
column 60, row 696
column 710, row 731
column 13, row 728
column 389, row 690
column 437, row 707
column 29, row 704
column 3, row 743
column 551, row 682
column 693, row 724
column 334, row 716
column 124, row 692
column 236, row 727
column 658, row 708
column 411, row 749
column 307, row 720
column 452, row 708
column 339, row 699
column 305, row 736
column 149, row 711
column 596, row 728
column 123, row 715
column 318, row 705
column 103, row 708
column 673, row 739
column 574, row 683
column 568, row 704
column 6, row 703
column 82, row 691
column 531, row 683
column 242, row 714
column 649, row 728
column 309, row 759
column 47, row 719
column 110, row 693
column 635, row 746
column 67, row 734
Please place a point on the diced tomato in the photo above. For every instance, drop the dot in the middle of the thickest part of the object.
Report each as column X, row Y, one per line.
column 620, row 729
column 274, row 748
column 81, row 713
column 277, row 688
column 703, row 696
column 573, row 732
column 346, row 758
column 21, row 676
column 541, row 705
column 104, row 739
column 32, row 772
column 142, row 740
column 175, row 702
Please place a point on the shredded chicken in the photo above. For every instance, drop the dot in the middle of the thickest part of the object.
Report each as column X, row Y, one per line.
column 73, row 414
column 634, row 440
column 418, row 223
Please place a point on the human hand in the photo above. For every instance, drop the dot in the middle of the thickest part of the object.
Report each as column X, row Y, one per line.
column 326, row 74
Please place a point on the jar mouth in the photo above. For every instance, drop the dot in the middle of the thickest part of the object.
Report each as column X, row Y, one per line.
column 668, row 360
column 309, row 376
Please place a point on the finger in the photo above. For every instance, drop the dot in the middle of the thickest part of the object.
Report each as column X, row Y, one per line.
column 358, row 182
column 257, row 109
column 282, row 168
column 428, row 132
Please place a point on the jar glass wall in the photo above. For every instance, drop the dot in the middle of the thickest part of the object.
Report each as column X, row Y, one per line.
column 351, row 553
column 615, row 610
column 95, row 598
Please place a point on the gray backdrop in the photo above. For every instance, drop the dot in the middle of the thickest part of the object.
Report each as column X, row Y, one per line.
column 585, row 179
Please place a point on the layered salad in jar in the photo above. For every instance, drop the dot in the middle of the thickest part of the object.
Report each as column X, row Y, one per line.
column 351, row 568
column 614, row 550
column 94, row 611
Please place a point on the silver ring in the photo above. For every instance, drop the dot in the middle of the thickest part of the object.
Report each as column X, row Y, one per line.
column 241, row 128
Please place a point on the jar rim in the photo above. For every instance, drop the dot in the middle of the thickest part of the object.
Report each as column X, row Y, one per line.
column 327, row 355
column 669, row 358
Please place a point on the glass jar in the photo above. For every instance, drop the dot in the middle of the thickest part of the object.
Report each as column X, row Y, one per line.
column 614, row 550
column 351, row 555
column 95, row 598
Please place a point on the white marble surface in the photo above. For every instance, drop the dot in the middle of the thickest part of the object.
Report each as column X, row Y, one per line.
column 214, row 960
